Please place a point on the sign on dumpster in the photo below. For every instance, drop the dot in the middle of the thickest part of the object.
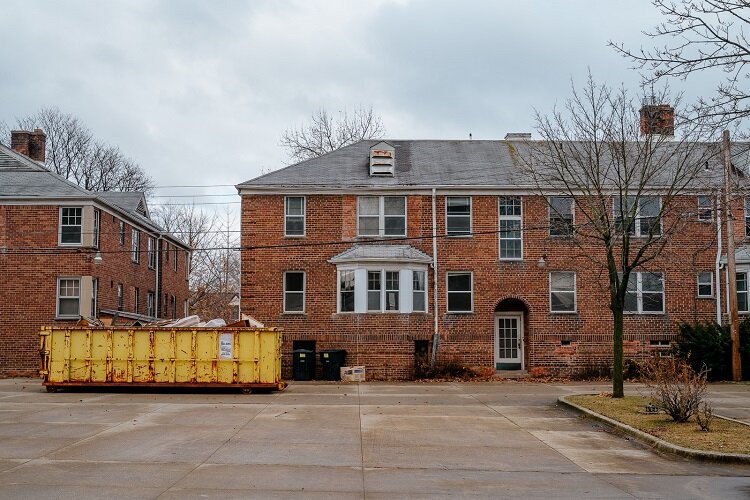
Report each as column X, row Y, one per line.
column 225, row 346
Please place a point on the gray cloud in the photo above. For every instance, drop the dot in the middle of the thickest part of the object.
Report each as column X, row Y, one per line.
column 199, row 92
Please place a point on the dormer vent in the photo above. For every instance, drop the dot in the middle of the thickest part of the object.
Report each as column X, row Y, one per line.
column 382, row 160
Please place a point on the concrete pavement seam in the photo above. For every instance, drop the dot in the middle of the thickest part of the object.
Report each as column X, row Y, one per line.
column 655, row 442
column 217, row 448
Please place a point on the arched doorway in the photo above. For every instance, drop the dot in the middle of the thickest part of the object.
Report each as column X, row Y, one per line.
column 511, row 315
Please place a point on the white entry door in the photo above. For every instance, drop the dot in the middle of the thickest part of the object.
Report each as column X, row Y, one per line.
column 509, row 341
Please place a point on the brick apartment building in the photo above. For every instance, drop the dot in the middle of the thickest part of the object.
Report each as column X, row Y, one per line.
column 502, row 288
column 66, row 252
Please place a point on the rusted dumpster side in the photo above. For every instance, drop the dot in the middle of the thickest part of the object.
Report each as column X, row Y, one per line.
column 209, row 357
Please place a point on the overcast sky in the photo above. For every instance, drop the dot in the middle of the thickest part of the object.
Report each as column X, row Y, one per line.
column 199, row 92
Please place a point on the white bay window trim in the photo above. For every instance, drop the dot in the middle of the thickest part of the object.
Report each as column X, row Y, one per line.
column 405, row 291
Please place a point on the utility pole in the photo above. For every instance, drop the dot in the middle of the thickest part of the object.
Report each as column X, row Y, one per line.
column 731, row 268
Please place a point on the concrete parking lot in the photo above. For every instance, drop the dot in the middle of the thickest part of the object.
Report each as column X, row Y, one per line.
column 319, row 440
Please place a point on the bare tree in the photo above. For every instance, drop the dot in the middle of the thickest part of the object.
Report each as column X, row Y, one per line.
column 215, row 266
column 625, row 187
column 73, row 152
column 325, row 132
column 702, row 36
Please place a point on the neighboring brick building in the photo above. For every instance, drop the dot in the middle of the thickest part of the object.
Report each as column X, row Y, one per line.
column 507, row 298
column 66, row 252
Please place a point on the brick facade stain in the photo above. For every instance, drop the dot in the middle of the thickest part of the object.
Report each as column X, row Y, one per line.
column 28, row 287
column 555, row 343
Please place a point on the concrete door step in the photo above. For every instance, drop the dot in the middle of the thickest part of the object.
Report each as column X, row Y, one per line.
column 512, row 373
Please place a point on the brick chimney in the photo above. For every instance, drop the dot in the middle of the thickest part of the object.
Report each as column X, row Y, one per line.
column 31, row 144
column 657, row 119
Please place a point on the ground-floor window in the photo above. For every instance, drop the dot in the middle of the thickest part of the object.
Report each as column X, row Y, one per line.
column 382, row 290
column 68, row 297
column 645, row 293
column 562, row 292
column 460, row 291
column 294, row 292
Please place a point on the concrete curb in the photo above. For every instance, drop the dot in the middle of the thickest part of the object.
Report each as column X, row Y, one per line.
column 655, row 442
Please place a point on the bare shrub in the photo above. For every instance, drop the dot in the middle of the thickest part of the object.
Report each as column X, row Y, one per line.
column 449, row 368
column 675, row 387
column 705, row 416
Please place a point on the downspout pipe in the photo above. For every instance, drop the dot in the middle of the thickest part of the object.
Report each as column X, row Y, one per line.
column 157, row 287
column 718, row 265
column 435, row 335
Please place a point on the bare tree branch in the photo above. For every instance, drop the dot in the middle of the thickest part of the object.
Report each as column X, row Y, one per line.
column 73, row 152
column 325, row 133
column 700, row 36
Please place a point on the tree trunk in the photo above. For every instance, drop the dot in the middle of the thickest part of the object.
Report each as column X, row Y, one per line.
column 618, row 390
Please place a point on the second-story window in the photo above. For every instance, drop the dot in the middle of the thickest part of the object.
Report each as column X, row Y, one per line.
column 560, row 216
column 294, row 216
column 381, row 216
column 151, row 253
column 122, row 233
column 638, row 218
column 71, row 225
column 458, row 215
column 135, row 243
column 509, row 234
column 705, row 208
column 174, row 260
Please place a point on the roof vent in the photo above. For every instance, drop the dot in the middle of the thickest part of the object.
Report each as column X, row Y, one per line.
column 518, row 136
column 382, row 160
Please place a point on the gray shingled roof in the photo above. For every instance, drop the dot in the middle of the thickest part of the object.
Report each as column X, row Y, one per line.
column 23, row 178
column 391, row 253
column 418, row 163
column 427, row 163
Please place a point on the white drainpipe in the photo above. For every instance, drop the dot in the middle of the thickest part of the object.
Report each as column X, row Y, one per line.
column 718, row 265
column 435, row 337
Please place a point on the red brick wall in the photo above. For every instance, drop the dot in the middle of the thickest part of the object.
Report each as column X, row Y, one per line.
column 28, row 289
column 385, row 342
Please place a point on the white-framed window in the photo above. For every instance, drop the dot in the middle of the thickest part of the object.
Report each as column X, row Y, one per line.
column 419, row 291
column 346, row 291
column 136, row 299
column 294, row 292
column 645, row 293
column 705, row 208
column 97, row 224
column 174, row 260
column 150, row 304
column 639, row 218
column 510, row 233
column 561, row 216
column 151, row 245
column 94, row 297
column 460, row 292
column 392, row 290
column 187, row 265
column 68, row 297
column 562, row 292
column 135, row 243
column 705, row 282
column 374, row 291
column 122, row 233
column 381, row 216
column 71, row 226
column 294, row 216
column 119, row 297
column 458, row 215
column 166, row 250
column 742, row 298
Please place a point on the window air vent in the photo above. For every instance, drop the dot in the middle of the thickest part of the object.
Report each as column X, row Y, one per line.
column 382, row 160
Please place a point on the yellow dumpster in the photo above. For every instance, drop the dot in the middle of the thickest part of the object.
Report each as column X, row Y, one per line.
column 207, row 357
